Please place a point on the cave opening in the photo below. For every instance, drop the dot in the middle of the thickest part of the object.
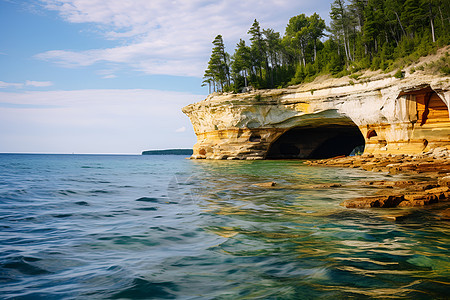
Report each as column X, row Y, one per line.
column 317, row 142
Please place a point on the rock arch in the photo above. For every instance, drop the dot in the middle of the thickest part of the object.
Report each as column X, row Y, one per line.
column 404, row 116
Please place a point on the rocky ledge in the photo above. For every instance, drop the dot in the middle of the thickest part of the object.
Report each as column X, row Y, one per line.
column 374, row 111
column 431, row 187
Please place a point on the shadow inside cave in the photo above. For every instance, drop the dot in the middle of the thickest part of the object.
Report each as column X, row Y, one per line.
column 316, row 142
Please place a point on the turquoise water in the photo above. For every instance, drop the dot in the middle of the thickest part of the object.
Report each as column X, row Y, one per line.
column 163, row 227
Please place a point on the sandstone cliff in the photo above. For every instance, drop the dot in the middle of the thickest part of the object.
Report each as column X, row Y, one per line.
column 325, row 118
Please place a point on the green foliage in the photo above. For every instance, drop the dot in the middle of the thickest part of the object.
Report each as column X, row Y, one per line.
column 442, row 65
column 218, row 71
column 385, row 35
column 399, row 74
column 355, row 76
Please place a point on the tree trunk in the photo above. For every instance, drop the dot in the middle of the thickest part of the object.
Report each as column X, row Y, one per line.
column 431, row 22
column 347, row 52
column 315, row 50
column 432, row 30
column 442, row 18
column 399, row 22
column 394, row 35
column 245, row 78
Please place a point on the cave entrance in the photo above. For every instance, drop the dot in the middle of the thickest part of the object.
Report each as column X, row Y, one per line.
column 317, row 142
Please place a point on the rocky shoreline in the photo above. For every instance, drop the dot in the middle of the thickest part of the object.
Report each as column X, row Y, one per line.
column 432, row 187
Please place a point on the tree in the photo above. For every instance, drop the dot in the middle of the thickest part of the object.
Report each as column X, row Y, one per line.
column 340, row 24
column 376, row 34
column 413, row 15
column 297, row 36
column 374, row 23
column 218, row 70
column 316, row 30
column 257, row 47
column 241, row 61
column 272, row 41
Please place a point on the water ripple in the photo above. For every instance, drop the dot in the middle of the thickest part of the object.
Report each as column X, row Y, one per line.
column 137, row 227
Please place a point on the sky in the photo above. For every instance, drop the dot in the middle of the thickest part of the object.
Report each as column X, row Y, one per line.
column 111, row 76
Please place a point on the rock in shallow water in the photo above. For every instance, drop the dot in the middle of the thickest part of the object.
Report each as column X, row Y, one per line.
column 266, row 184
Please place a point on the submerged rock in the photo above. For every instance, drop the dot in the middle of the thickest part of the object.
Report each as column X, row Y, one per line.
column 266, row 184
column 377, row 201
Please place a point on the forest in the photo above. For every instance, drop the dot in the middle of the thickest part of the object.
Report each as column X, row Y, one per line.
column 363, row 34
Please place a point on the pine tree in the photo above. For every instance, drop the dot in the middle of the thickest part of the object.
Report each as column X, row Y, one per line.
column 218, row 66
column 316, row 28
column 257, row 48
column 413, row 15
column 272, row 41
column 380, row 34
column 340, row 25
column 241, row 62
column 297, row 36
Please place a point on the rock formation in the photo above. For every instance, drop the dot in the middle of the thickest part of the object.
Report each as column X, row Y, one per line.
column 329, row 117
column 431, row 187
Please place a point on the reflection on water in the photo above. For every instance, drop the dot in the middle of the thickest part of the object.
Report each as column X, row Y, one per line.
column 164, row 227
column 308, row 246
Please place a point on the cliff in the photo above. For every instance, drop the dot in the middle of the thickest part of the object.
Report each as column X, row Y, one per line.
column 328, row 117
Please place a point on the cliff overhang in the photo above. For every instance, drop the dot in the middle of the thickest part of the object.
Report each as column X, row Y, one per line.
column 326, row 118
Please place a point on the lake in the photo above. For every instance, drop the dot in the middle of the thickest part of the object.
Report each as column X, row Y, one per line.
column 164, row 227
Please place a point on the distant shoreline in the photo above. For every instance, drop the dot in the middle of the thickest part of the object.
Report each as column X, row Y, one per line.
column 169, row 152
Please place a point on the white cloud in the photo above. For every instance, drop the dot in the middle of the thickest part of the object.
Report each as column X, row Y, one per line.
column 169, row 37
column 181, row 129
column 27, row 83
column 38, row 83
column 111, row 76
column 94, row 121
column 10, row 84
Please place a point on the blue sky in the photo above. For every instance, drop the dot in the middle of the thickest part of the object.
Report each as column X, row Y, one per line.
column 96, row 76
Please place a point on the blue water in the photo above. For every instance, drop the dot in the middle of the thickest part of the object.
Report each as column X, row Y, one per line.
column 155, row 227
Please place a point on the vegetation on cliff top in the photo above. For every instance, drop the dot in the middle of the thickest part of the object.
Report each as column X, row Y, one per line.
column 363, row 34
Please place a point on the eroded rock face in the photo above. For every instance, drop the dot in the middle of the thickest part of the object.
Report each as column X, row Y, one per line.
column 386, row 114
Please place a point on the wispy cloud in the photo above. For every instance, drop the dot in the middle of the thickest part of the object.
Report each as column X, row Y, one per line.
column 168, row 37
column 38, row 83
column 10, row 85
column 27, row 83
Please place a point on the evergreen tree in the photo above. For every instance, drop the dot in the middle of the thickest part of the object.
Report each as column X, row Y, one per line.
column 340, row 25
column 376, row 34
column 241, row 62
column 273, row 45
column 257, row 48
column 316, row 28
column 218, row 70
column 413, row 15
column 297, row 36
